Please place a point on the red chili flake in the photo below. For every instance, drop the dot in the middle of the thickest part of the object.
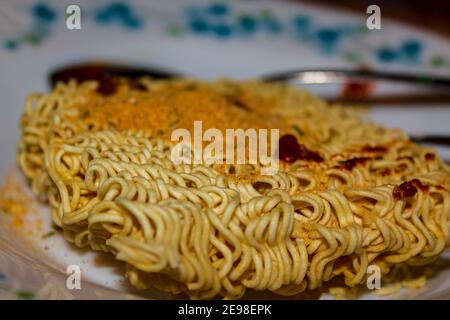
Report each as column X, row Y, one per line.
column 408, row 189
column 397, row 193
column 430, row 157
column 422, row 187
column 385, row 172
column 356, row 91
column 290, row 150
column 306, row 154
column 349, row 164
column 376, row 149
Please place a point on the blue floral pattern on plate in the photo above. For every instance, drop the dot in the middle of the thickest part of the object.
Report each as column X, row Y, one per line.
column 224, row 21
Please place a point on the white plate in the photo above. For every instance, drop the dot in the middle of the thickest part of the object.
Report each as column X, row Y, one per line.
column 236, row 39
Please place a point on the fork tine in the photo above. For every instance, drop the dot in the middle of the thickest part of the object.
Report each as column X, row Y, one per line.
column 342, row 75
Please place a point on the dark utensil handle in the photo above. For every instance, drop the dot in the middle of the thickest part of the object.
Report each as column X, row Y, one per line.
column 432, row 139
column 99, row 70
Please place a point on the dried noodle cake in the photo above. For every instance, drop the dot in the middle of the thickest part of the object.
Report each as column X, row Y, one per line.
column 355, row 195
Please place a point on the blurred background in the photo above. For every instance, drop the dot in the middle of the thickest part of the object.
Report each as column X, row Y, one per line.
column 431, row 14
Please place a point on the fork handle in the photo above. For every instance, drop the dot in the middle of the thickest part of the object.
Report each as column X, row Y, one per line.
column 432, row 139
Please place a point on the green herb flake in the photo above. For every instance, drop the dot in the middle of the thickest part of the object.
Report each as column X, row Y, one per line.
column 33, row 39
column 352, row 57
column 265, row 14
column 112, row 124
column 85, row 114
column 174, row 30
column 437, row 61
column 299, row 131
column 25, row 295
column 190, row 87
column 49, row 234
